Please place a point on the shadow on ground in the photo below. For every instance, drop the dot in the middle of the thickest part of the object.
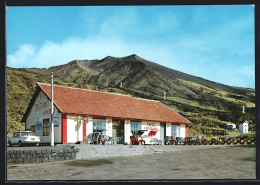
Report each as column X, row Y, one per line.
column 88, row 163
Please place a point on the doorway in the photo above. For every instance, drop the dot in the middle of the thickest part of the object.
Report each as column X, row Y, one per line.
column 162, row 131
column 118, row 131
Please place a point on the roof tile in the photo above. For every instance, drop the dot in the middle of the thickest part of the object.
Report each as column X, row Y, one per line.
column 82, row 101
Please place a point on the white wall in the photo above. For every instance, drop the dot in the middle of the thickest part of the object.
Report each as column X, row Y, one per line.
column 243, row 128
column 89, row 127
column 182, row 130
column 41, row 109
column 74, row 129
column 168, row 129
column 127, row 130
column 80, row 130
column 71, row 129
column 149, row 125
column 109, row 127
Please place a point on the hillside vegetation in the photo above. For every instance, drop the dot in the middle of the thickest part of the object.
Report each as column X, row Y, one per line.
column 208, row 105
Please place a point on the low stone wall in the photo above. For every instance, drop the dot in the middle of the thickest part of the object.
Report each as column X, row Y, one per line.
column 22, row 155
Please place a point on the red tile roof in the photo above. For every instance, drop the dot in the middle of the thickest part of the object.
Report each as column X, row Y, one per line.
column 81, row 101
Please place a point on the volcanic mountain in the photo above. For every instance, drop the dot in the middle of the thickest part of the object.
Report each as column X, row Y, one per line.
column 132, row 72
column 198, row 99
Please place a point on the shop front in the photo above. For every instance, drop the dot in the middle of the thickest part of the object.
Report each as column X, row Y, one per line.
column 82, row 113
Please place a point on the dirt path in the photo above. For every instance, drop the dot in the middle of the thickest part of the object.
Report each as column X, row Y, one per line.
column 195, row 162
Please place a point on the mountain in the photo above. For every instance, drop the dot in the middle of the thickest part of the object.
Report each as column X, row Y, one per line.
column 200, row 100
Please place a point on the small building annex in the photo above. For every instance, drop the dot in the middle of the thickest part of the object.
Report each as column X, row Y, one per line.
column 78, row 112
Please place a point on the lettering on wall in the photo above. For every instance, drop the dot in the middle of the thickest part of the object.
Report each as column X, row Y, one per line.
column 42, row 97
column 46, row 112
column 42, row 105
column 151, row 126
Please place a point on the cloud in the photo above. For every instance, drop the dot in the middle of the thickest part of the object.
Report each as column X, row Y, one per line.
column 209, row 53
column 22, row 56
column 186, row 57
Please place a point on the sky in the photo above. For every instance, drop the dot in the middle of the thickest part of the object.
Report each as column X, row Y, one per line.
column 215, row 42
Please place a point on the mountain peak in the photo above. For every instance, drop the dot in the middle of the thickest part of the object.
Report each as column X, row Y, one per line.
column 133, row 57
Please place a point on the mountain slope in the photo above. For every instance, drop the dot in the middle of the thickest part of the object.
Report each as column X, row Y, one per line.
column 135, row 73
column 203, row 102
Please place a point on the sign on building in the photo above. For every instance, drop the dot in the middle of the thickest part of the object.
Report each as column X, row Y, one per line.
column 56, row 119
column 38, row 124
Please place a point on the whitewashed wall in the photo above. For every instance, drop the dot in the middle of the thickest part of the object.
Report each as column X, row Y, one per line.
column 149, row 125
column 89, row 127
column 109, row 127
column 182, row 130
column 127, row 130
column 41, row 109
column 74, row 129
column 243, row 128
column 71, row 129
column 168, row 129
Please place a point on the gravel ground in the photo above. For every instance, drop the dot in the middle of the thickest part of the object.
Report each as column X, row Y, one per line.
column 168, row 162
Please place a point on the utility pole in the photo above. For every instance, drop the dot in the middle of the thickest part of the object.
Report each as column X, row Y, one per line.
column 52, row 112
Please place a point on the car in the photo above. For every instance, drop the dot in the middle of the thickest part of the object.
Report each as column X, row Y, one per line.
column 22, row 138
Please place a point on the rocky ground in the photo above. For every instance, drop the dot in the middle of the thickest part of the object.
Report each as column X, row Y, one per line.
column 168, row 162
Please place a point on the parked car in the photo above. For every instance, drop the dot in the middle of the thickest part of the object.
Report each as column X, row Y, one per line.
column 22, row 138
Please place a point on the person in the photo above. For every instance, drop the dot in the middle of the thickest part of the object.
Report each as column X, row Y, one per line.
column 142, row 141
column 199, row 139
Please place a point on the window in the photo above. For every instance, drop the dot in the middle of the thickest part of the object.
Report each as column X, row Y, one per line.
column 175, row 131
column 16, row 134
column 46, row 127
column 99, row 124
column 135, row 126
column 33, row 128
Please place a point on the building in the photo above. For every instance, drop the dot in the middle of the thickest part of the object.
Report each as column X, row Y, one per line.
column 231, row 126
column 243, row 127
column 77, row 112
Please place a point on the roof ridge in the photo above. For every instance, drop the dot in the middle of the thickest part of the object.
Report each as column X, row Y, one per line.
column 99, row 92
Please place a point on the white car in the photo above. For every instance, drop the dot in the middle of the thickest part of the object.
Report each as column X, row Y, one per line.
column 22, row 138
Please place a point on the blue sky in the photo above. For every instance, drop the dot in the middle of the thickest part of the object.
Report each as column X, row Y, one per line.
column 215, row 42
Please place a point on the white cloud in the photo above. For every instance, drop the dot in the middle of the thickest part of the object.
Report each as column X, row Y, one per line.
column 196, row 54
column 53, row 53
column 22, row 56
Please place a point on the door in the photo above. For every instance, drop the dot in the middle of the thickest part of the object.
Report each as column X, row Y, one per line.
column 118, row 130
column 162, row 131
column 122, row 122
column 114, row 131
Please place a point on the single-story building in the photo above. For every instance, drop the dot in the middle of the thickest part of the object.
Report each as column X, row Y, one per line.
column 78, row 112
column 243, row 127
